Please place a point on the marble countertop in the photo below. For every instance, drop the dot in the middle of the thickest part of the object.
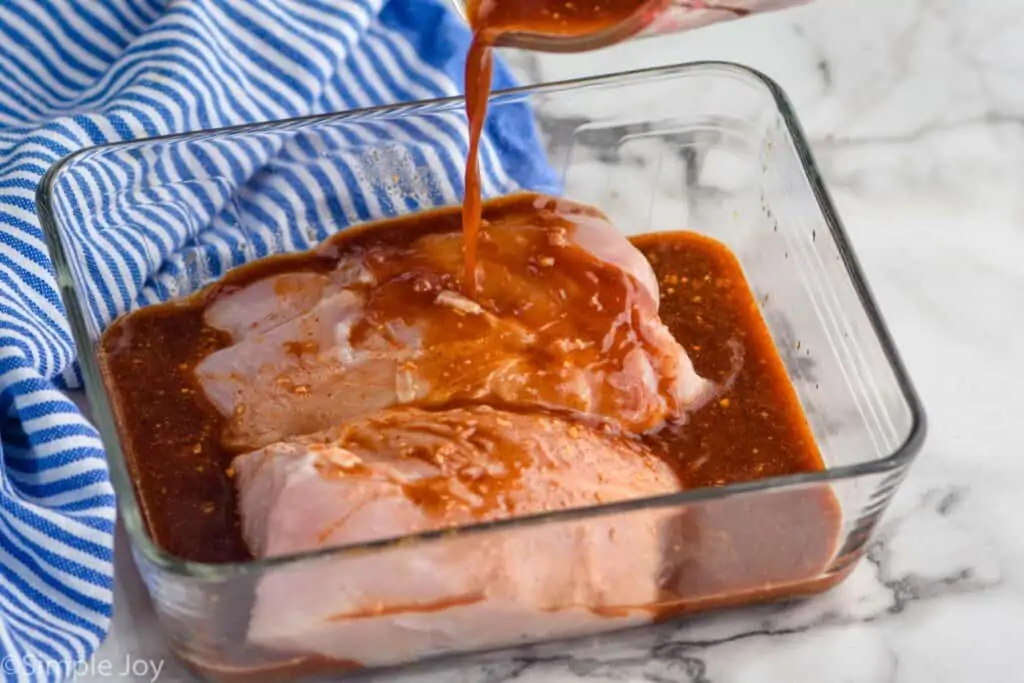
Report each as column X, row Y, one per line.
column 916, row 117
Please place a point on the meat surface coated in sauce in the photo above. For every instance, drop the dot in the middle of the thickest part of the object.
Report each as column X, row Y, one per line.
column 565, row 319
column 406, row 470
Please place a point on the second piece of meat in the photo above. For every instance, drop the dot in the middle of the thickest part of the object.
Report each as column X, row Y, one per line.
column 405, row 471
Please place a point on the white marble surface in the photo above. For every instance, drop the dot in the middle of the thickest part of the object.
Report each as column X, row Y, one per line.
column 915, row 110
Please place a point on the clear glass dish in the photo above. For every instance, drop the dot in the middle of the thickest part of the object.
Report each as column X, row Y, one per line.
column 708, row 147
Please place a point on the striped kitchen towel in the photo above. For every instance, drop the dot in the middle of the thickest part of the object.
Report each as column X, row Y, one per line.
column 76, row 73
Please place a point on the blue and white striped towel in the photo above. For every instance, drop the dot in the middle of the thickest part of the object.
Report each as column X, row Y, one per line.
column 76, row 73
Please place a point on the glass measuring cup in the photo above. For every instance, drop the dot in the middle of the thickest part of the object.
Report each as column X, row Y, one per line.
column 649, row 18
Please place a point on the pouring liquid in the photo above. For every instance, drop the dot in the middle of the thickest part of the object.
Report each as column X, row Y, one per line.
column 566, row 26
column 493, row 20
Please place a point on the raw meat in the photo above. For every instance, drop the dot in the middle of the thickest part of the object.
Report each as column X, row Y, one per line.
column 566, row 319
column 406, row 470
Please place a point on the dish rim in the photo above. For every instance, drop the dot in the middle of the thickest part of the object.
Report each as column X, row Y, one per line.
column 130, row 509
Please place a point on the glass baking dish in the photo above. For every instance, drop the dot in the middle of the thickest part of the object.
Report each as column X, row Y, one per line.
column 709, row 147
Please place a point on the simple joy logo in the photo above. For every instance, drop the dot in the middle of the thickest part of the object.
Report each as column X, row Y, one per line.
column 134, row 668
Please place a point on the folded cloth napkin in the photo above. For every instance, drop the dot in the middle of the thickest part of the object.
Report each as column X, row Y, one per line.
column 77, row 73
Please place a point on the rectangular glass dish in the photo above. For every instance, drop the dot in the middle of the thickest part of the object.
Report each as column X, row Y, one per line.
column 712, row 148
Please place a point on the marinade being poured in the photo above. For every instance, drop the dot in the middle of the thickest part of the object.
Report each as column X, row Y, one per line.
column 510, row 359
column 495, row 22
column 490, row 21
